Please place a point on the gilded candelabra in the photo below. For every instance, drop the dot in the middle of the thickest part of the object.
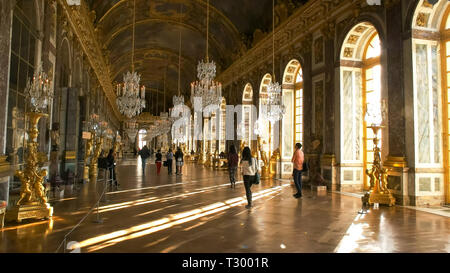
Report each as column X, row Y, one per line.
column 265, row 171
column 378, row 190
column 32, row 202
column 94, row 160
column 87, row 156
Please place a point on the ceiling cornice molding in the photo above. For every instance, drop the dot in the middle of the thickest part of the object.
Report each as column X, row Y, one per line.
column 304, row 21
column 81, row 24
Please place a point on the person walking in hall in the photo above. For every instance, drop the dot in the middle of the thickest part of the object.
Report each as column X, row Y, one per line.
column 298, row 159
column 179, row 159
column 233, row 160
column 169, row 158
column 111, row 159
column 249, row 167
column 158, row 161
column 144, row 153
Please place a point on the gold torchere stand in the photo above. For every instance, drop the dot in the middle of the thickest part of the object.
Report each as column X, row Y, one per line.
column 265, row 170
column 97, row 151
column 378, row 191
column 87, row 155
column 32, row 203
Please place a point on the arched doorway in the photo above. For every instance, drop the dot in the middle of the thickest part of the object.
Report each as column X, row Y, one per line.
column 222, row 125
column 141, row 138
column 431, row 77
column 263, row 123
column 360, row 94
column 247, row 121
column 292, row 122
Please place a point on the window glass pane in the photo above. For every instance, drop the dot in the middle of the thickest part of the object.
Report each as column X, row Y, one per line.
column 23, row 70
column 21, row 102
column 15, row 42
column 24, row 44
column 11, row 103
column 32, row 53
column 13, row 71
column 374, row 49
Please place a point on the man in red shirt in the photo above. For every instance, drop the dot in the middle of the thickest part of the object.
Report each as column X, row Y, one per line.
column 298, row 159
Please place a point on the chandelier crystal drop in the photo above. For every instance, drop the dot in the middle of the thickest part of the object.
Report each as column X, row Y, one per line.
column 130, row 96
column 178, row 100
column 40, row 90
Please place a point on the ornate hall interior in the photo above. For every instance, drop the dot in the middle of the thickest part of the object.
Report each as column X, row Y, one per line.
column 89, row 87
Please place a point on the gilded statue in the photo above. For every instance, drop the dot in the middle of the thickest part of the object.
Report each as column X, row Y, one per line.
column 262, row 153
column 25, row 189
column 384, row 181
column 373, row 178
column 32, row 179
column 88, row 152
column 39, row 186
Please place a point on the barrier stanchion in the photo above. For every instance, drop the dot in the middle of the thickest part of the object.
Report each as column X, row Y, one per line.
column 98, row 220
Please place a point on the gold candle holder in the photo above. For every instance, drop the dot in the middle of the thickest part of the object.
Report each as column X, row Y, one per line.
column 378, row 191
column 32, row 203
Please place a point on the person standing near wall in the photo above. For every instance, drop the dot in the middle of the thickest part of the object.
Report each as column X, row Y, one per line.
column 298, row 159
column 144, row 153
column 169, row 158
column 233, row 160
column 249, row 168
column 179, row 161
column 158, row 162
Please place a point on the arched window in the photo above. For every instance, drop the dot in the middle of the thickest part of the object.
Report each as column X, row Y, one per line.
column 371, row 93
column 22, row 65
column 445, row 60
column 360, row 98
column 298, row 106
column 292, row 122
column 247, row 102
column 141, row 138
column 263, row 121
column 223, row 109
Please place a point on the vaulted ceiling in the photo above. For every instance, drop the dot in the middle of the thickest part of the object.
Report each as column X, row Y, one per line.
column 158, row 24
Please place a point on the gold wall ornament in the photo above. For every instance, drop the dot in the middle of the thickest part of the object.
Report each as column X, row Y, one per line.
column 32, row 203
column 80, row 22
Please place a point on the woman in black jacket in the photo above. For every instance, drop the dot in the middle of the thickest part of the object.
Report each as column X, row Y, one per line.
column 112, row 167
column 179, row 161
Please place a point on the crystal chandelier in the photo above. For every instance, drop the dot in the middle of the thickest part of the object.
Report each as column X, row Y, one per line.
column 179, row 100
column 40, row 90
column 131, row 129
column 130, row 95
column 274, row 103
column 206, row 88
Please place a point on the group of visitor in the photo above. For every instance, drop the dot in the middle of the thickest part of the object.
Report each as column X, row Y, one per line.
column 144, row 153
column 250, row 170
column 249, row 167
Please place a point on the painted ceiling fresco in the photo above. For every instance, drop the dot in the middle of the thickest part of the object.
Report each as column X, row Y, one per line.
column 158, row 24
